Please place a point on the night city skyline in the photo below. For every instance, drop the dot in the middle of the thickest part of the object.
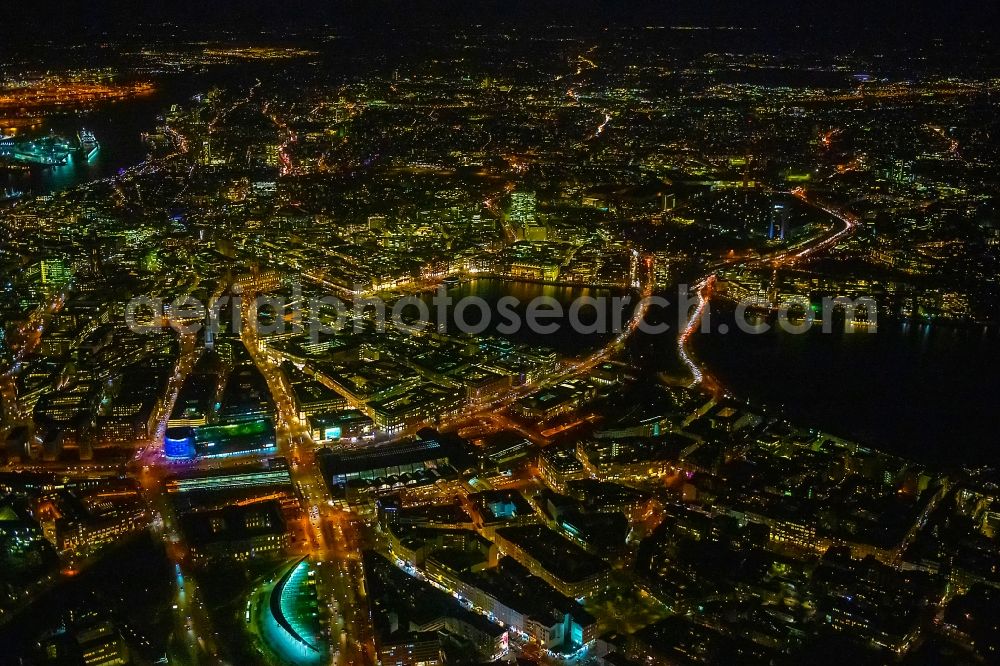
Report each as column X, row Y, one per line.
column 418, row 333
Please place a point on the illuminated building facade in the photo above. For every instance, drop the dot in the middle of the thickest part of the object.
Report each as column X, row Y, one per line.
column 289, row 617
column 254, row 531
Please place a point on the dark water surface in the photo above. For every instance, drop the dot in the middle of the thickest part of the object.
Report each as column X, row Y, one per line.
column 925, row 392
column 930, row 393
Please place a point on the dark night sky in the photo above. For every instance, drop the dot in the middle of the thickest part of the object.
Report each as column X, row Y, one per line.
column 829, row 21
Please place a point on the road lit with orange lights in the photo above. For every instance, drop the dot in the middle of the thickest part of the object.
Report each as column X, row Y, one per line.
column 335, row 542
column 705, row 287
